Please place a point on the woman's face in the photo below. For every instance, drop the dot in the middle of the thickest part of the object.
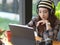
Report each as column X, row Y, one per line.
column 43, row 13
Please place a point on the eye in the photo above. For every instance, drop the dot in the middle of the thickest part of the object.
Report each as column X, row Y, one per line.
column 39, row 11
column 45, row 11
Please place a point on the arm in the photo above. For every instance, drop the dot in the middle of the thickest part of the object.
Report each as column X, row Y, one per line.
column 32, row 23
column 56, row 29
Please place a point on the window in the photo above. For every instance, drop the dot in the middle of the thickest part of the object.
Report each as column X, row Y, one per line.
column 8, row 13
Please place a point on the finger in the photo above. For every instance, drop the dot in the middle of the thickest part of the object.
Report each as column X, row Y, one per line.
column 38, row 23
column 42, row 23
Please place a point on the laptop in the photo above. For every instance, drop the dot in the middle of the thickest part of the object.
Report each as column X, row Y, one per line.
column 22, row 35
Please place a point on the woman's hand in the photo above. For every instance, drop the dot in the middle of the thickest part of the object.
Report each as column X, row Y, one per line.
column 42, row 22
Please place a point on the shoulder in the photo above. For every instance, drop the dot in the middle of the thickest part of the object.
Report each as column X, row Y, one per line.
column 33, row 21
column 57, row 21
column 35, row 18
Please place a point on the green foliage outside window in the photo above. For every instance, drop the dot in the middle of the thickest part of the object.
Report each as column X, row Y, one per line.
column 34, row 9
column 57, row 13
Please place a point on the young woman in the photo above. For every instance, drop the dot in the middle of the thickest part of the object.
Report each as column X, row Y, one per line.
column 45, row 22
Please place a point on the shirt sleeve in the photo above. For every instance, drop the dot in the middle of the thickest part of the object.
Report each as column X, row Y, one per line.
column 32, row 22
column 56, row 29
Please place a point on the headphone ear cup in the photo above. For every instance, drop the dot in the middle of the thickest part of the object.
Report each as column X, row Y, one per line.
column 51, row 12
column 53, row 8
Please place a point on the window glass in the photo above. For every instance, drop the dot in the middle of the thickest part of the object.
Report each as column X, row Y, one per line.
column 8, row 13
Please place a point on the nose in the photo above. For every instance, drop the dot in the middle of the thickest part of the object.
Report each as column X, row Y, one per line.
column 42, row 14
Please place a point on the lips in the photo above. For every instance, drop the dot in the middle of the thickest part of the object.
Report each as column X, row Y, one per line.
column 43, row 17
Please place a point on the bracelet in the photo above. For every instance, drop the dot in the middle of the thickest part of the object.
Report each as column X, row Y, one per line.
column 48, row 23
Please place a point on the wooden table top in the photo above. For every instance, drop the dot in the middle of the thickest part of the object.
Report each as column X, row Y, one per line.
column 56, row 43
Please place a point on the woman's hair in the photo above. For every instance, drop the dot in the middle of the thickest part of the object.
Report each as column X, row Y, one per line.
column 51, row 8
